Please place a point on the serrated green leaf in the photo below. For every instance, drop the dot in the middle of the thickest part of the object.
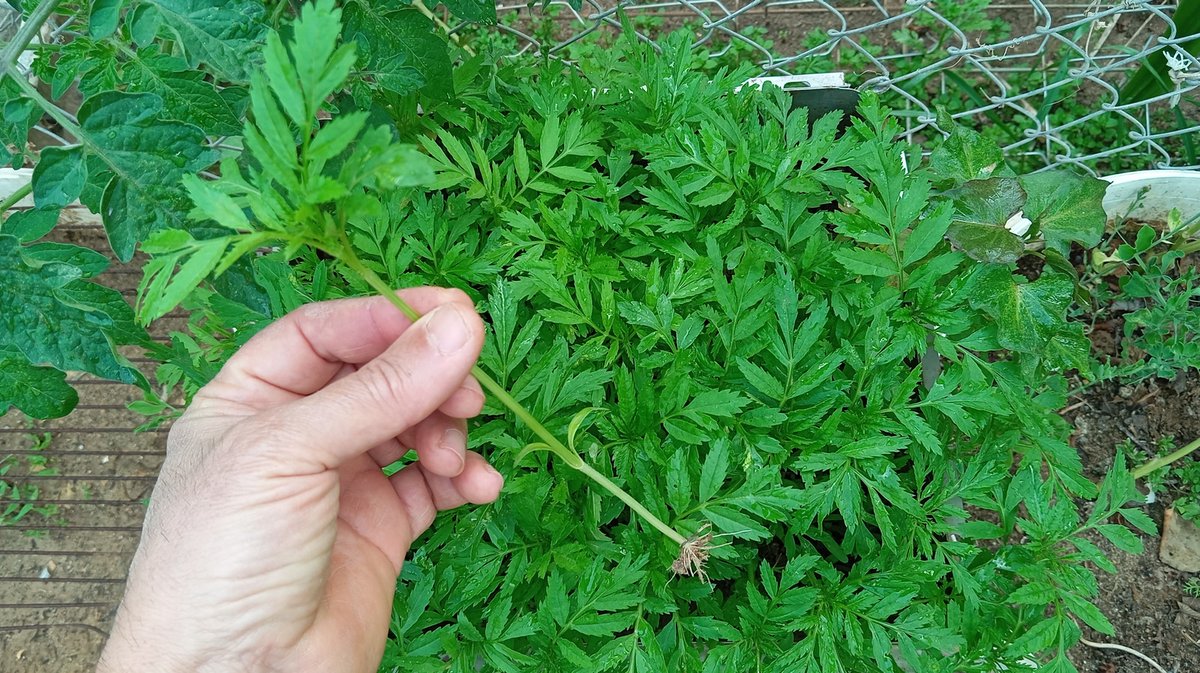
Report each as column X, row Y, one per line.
column 521, row 159
column 148, row 158
column 1121, row 537
column 927, row 234
column 571, row 174
column 336, row 136
column 34, row 319
column 1038, row 638
column 867, row 262
column 213, row 204
column 39, row 392
column 179, row 265
column 59, row 177
column 223, row 34
column 1034, row 593
column 548, row 142
column 761, row 380
column 1088, row 612
column 714, row 471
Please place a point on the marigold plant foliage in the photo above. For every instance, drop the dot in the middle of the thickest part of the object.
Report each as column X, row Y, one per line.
column 771, row 393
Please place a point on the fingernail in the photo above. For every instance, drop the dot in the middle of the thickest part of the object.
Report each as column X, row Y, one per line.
column 447, row 330
column 495, row 473
column 454, row 443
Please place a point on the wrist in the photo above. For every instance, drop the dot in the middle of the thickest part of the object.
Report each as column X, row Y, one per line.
column 138, row 645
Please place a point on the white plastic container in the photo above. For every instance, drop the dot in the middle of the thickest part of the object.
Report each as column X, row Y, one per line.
column 1166, row 190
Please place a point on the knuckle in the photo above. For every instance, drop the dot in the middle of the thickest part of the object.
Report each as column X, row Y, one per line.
column 386, row 382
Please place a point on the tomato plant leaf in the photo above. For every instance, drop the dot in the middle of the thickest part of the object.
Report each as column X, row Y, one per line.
column 40, row 318
column 187, row 95
column 59, row 177
column 104, row 18
column 39, row 392
column 399, row 48
column 146, row 157
column 223, row 34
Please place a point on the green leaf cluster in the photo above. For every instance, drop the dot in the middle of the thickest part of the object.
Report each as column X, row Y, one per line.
column 804, row 346
column 776, row 339
column 166, row 86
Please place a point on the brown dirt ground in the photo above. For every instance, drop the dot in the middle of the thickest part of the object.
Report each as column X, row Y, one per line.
column 1144, row 600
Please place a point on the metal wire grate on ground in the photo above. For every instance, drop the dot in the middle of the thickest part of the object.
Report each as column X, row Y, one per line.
column 1043, row 78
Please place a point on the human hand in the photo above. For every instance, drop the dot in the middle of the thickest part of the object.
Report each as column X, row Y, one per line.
column 273, row 540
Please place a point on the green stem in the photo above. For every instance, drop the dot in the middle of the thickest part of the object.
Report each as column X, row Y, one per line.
column 1163, row 461
column 488, row 383
column 64, row 120
column 29, row 30
column 632, row 502
column 16, row 196
column 437, row 21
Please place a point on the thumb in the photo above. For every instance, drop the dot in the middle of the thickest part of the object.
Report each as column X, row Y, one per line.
column 387, row 395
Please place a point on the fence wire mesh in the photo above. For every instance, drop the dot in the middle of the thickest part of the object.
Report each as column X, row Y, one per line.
column 1044, row 79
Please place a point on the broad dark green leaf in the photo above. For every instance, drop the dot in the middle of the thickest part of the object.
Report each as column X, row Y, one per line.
column 1028, row 315
column 89, row 262
column 59, row 177
column 965, row 155
column 30, row 225
column 40, row 317
column 39, row 392
column 144, row 22
column 399, row 48
column 475, row 11
column 147, row 157
column 982, row 209
column 18, row 115
column 104, row 17
column 186, row 95
column 225, row 35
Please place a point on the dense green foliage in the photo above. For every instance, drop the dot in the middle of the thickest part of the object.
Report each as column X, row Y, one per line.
column 813, row 345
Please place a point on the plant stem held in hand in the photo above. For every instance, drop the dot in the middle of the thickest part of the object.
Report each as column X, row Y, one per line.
column 350, row 259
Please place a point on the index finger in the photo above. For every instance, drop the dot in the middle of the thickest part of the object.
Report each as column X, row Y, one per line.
column 303, row 351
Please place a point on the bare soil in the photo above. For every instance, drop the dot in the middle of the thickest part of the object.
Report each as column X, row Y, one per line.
column 61, row 576
column 1144, row 599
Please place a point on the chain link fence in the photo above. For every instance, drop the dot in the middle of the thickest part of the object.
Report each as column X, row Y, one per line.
column 1051, row 82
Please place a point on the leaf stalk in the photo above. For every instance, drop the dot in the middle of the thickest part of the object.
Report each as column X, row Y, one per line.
column 29, row 30
column 22, row 192
column 1163, row 461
